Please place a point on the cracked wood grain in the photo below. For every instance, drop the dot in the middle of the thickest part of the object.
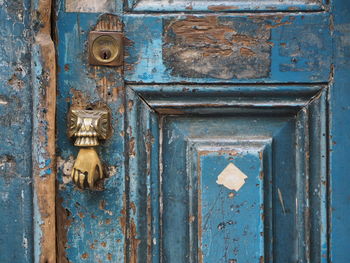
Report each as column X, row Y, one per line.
column 202, row 47
column 44, row 107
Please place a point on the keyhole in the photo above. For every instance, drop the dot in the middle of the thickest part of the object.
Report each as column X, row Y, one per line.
column 105, row 54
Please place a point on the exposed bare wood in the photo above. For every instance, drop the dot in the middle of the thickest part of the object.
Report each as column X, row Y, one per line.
column 44, row 103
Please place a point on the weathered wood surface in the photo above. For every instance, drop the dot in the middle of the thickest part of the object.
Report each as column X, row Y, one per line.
column 128, row 222
column 16, row 210
column 91, row 226
column 275, row 134
column 27, row 106
column 43, row 141
column 339, row 139
column 228, row 48
column 224, row 6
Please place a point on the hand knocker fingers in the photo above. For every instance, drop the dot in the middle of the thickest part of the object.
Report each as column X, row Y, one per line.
column 87, row 169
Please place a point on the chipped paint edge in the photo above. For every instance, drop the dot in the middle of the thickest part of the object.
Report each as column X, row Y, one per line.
column 90, row 6
column 224, row 6
column 43, row 138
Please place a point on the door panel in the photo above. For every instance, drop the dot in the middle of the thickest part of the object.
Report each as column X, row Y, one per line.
column 192, row 134
column 221, row 223
column 228, row 48
column 164, row 200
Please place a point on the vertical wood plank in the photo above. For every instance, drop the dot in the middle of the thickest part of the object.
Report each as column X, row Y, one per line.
column 43, row 140
column 15, row 132
column 339, row 140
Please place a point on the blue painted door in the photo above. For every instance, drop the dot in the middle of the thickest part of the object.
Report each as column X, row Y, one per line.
column 221, row 131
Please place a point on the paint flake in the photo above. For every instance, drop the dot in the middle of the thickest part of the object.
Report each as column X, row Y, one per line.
column 90, row 6
column 232, row 177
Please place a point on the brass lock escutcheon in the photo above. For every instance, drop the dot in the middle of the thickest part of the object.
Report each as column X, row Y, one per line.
column 87, row 127
column 105, row 48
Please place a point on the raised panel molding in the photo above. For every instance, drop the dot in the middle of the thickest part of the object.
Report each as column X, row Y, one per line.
column 248, row 205
column 223, row 6
column 181, row 137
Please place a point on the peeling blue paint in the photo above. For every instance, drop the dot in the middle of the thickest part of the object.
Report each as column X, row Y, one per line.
column 15, row 132
column 339, row 140
column 156, row 137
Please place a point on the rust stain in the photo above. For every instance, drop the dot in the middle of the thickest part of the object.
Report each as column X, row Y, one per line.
column 121, row 109
column 201, row 47
column 133, row 207
column 85, row 256
column 246, row 52
column 231, row 195
column 170, row 111
column 261, row 175
column 79, row 99
column 134, row 242
column 132, row 152
column 102, row 204
column 63, row 224
column 221, row 7
column 16, row 83
column 130, row 104
column 219, row 152
column 191, row 219
column 123, row 219
column 81, row 215
column 109, row 22
column 278, row 24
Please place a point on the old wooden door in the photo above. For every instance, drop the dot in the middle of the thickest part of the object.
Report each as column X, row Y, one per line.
column 226, row 117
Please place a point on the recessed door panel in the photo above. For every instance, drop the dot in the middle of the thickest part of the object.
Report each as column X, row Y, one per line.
column 226, row 199
column 234, row 186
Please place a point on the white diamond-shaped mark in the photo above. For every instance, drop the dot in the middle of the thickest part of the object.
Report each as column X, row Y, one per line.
column 232, row 177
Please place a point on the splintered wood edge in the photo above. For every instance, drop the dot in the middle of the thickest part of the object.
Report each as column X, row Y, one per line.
column 43, row 140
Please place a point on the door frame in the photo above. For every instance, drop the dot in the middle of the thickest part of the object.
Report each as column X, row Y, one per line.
column 43, row 135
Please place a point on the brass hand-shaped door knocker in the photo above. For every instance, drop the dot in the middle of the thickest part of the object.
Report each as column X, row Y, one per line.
column 87, row 127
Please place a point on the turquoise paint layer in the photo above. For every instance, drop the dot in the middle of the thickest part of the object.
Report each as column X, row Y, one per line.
column 16, row 215
column 95, row 229
column 339, row 134
column 200, row 130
